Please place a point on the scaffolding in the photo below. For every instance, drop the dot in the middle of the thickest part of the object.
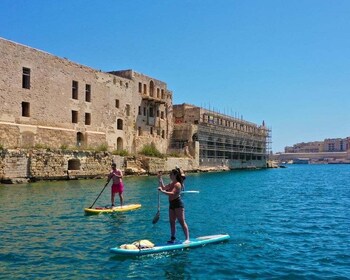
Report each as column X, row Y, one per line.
column 222, row 139
column 216, row 142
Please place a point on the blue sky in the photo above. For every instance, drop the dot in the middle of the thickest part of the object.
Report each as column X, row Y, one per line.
column 285, row 62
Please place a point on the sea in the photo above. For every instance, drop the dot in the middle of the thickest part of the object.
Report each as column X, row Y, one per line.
column 285, row 223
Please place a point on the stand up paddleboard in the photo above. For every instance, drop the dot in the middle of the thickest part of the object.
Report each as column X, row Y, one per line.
column 189, row 191
column 196, row 242
column 124, row 208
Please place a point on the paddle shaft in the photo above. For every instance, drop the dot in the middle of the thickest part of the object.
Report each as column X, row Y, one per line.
column 156, row 217
column 100, row 194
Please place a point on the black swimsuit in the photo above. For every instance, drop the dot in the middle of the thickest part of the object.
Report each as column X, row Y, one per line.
column 176, row 203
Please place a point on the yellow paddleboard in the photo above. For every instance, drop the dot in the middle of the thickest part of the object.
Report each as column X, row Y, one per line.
column 124, row 208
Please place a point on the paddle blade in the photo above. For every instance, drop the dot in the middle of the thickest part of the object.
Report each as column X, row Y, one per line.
column 156, row 218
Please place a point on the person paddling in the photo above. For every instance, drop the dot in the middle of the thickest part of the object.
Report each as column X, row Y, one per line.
column 117, row 187
column 176, row 205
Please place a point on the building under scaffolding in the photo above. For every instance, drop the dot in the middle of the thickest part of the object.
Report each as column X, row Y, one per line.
column 218, row 139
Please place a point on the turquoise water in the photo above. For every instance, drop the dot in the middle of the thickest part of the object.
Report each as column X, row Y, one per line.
column 291, row 223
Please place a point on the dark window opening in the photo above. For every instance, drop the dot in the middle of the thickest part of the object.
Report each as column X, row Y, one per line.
column 74, row 164
column 140, row 87
column 74, row 116
column 75, row 90
column 25, row 109
column 26, row 78
column 80, row 139
column 87, row 118
column 117, row 103
column 88, row 93
column 120, row 124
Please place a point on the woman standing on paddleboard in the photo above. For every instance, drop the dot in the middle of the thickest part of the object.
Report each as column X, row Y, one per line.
column 117, row 187
column 176, row 205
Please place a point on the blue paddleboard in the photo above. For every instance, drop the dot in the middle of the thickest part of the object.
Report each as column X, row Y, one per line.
column 189, row 191
column 196, row 242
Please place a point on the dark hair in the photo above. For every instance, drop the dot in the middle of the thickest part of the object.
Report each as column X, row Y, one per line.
column 114, row 165
column 177, row 174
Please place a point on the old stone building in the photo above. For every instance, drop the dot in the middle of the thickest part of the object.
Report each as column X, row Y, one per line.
column 47, row 101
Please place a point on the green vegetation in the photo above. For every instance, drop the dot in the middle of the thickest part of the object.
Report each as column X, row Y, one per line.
column 102, row 148
column 122, row 153
column 64, row 147
column 151, row 151
column 175, row 154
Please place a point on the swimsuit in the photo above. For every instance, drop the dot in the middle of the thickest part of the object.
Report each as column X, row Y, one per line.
column 118, row 188
column 176, row 203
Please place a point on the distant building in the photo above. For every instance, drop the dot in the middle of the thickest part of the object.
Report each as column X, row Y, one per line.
column 222, row 140
column 328, row 145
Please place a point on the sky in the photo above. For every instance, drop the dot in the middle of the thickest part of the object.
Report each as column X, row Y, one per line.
column 284, row 62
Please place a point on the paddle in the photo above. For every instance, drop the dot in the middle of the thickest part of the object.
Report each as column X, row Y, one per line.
column 156, row 217
column 100, row 194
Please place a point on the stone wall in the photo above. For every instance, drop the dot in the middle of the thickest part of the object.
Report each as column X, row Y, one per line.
column 21, row 165
column 31, row 165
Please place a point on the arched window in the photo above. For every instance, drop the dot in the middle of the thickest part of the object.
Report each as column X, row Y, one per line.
column 80, row 139
column 195, row 137
column 120, row 124
column 119, row 144
column 74, row 164
column 151, row 88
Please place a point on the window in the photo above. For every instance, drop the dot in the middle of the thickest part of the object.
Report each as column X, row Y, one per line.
column 80, row 139
column 151, row 114
column 163, row 134
column 26, row 78
column 87, row 118
column 162, row 115
column 74, row 116
column 120, row 124
column 151, row 130
column 144, row 89
column 144, row 111
column 140, row 87
column 75, row 90
column 158, row 93
column 88, row 93
column 140, row 110
column 162, row 92
column 127, row 109
column 25, row 109
column 117, row 103
column 151, row 88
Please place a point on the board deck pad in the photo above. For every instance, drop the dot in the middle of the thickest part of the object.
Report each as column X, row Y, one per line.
column 124, row 208
column 195, row 242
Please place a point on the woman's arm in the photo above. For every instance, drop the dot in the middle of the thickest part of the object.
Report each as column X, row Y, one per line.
column 174, row 191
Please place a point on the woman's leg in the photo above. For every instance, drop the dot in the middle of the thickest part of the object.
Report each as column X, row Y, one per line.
column 172, row 220
column 180, row 215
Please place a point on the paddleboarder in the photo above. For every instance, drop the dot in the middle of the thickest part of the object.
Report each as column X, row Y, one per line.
column 117, row 187
column 176, row 205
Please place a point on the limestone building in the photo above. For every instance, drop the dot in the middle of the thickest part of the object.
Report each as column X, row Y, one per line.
column 47, row 101
column 221, row 139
